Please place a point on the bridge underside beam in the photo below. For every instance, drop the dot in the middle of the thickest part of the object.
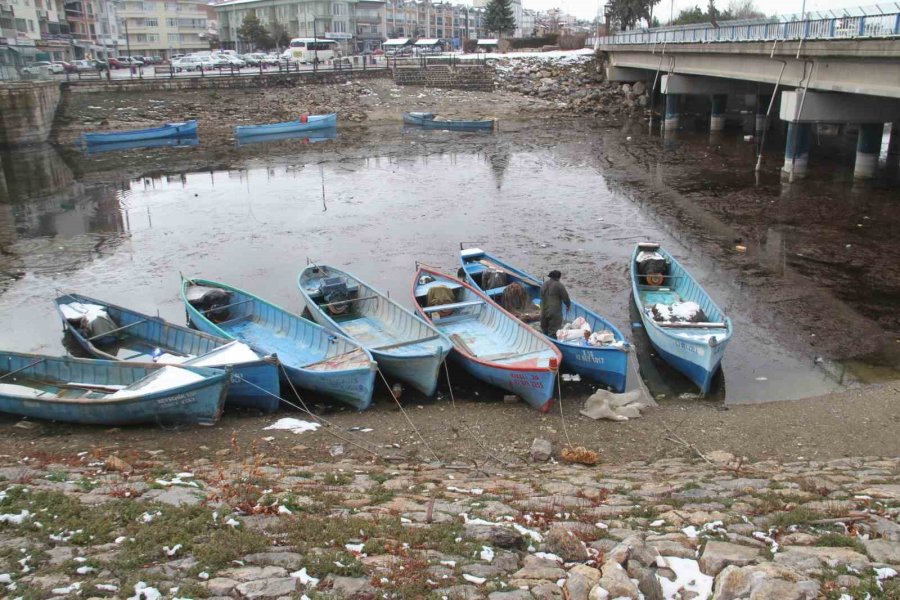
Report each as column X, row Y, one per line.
column 835, row 68
column 821, row 107
column 703, row 86
column 626, row 75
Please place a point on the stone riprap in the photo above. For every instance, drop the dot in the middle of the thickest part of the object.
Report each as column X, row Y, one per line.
column 244, row 526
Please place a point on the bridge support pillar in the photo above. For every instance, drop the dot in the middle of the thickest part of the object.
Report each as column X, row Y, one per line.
column 893, row 157
column 762, row 106
column 796, row 152
column 717, row 116
column 671, row 112
column 868, row 147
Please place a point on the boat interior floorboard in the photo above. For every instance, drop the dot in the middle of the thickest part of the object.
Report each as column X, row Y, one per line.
column 289, row 351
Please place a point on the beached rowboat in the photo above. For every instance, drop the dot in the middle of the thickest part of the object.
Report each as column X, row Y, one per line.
column 606, row 364
column 169, row 130
column 693, row 347
column 312, row 357
column 136, row 337
column 305, row 123
column 404, row 346
column 102, row 392
column 489, row 342
column 429, row 121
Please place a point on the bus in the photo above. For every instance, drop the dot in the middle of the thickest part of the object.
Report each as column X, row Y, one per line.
column 307, row 50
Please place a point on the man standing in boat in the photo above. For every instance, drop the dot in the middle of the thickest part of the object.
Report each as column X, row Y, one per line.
column 553, row 296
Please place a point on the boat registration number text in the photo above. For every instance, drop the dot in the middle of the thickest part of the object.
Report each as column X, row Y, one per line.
column 523, row 380
column 179, row 400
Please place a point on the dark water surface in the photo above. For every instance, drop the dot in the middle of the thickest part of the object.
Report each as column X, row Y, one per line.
column 540, row 207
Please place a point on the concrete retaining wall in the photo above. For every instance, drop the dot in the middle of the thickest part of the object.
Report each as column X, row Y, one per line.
column 26, row 112
column 220, row 82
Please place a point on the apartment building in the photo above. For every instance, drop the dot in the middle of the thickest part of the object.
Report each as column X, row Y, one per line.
column 165, row 27
column 357, row 25
column 33, row 30
column 451, row 23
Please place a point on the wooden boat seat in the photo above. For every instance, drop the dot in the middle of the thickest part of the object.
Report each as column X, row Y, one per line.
column 454, row 306
column 498, row 291
column 235, row 320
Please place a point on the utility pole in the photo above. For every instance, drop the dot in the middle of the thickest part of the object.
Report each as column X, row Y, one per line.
column 315, row 46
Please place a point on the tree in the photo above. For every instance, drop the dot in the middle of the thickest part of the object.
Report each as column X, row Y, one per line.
column 252, row 31
column 626, row 13
column 279, row 35
column 499, row 17
column 737, row 9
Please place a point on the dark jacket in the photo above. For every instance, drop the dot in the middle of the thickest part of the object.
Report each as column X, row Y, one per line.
column 553, row 296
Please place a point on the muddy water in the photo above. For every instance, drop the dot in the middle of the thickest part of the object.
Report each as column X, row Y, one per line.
column 542, row 206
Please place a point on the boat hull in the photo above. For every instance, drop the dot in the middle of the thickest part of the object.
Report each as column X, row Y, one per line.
column 421, row 372
column 607, row 365
column 314, row 123
column 536, row 388
column 696, row 361
column 169, row 130
column 432, row 123
column 198, row 403
column 353, row 386
column 253, row 384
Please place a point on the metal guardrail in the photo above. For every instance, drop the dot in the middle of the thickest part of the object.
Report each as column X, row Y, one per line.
column 878, row 21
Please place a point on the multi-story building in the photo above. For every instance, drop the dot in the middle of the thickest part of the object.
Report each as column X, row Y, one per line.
column 451, row 23
column 529, row 21
column 357, row 25
column 33, row 30
column 164, row 27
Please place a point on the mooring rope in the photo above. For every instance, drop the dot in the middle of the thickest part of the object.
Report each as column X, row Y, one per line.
column 562, row 415
column 408, row 420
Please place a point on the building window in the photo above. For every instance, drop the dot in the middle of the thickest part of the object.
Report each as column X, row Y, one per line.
column 339, row 27
column 338, row 9
column 30, row 25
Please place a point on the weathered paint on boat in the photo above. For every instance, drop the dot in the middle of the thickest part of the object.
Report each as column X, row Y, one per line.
column 404, row 346
column 605, row 364
column 312, row 357
column 490, row 343
column 312, row 123
column 67, row 390
column 169, row 130
column 694, row 351
column 428, row 121
column 253, row 384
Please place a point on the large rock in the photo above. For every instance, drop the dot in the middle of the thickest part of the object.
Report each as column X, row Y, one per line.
column 221, row 586
column 740, row 583
column 884, row 551
column 566, row 545
column 580, row 581
column 253, row 573
column 349, row 587
column 268, row 588
column 288, row 560
column 718, row 555
column 175, row 496
column 539, row 568
column 496, row 535
column 513, row 595
column 615, row 580
column 649, row 585
column 811, row 559
column 541, row 450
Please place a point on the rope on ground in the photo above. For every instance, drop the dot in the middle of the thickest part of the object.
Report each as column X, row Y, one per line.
column 562, row 415
column 408, row 420
column 329, row 426
column 466, row 426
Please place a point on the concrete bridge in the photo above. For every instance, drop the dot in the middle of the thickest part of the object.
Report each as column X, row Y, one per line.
column 839, row 66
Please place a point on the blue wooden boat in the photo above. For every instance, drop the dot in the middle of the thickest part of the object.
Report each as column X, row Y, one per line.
column 137, row 337
column 308, row 137
column 312, row 357
column 429, row 121
column 404, row 346
column 306, row 123
column 190, row 140
column 169, row 130
column 607, row 364
column 488, row 342
column 102, row 392
column 694, row 347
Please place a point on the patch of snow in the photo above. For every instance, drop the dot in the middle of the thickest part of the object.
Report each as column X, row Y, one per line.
column 487, row 553
column 5, row 578
column 690, row 531
column 658, row 523
column 120, row 539
column 474, row 579
column 84, row 570
column 687, row 578
column 284, row 510
column 160, row 380
column 305, row 578
column 473, row 491
column 601, row 525
column 449, row 563
column 549, row 556
column 294, row 425
column 15, row 519
column 232, row 522
column 64, row 591
column 107, row 587
column 885, row 573
column 354, row 547
column 148, row 517
column 142, row 591
column 203, row 575
column 173, row 550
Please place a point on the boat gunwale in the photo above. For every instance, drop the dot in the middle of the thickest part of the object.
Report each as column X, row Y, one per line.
column 672, row 333
column 468, row 355
column 443, row 337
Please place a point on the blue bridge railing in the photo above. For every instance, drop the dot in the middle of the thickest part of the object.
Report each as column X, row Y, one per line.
column 876, row 21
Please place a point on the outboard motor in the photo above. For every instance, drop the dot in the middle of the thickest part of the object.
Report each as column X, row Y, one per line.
column 336, row 295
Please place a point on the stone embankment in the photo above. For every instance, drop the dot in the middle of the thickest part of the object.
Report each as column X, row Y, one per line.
column 575, row 83
column 240, row 525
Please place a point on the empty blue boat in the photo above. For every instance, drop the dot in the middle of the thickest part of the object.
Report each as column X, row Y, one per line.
column 307, row 123
column 667, row 298
column 606, row 364
column 312, row 358
column 102, row 392
column 429, row 121
column 137, row 337
column 169, row 130
column 404, row 346
column 488, row 342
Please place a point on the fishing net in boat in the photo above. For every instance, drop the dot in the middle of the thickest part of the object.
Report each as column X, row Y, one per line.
column 439, row 295
column 516, row 300
column 92, row 320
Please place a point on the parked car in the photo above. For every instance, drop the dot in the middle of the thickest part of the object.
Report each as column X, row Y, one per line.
column 251, row 59
column 42, row 67
column 273, row 58
column 230, row 60
column 88, row 65
column 193, row 63
column 115, row 63
column 67, row 67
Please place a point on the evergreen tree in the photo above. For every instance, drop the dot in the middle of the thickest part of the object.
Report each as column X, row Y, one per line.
column 252, row 31
column 499, row 17
column 279, row 35
column 625, row 13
